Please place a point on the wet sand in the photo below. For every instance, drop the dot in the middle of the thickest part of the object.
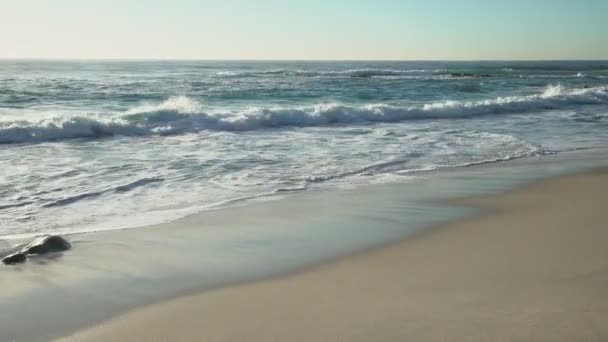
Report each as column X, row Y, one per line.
column 532, row 267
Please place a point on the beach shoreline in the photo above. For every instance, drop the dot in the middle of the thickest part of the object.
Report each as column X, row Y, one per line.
column 492, row 289
column 114, row 272
column 298, row 186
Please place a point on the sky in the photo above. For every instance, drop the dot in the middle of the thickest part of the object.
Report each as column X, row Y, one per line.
column 299, row 29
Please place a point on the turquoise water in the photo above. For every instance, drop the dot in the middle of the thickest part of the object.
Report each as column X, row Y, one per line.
column 89, row 146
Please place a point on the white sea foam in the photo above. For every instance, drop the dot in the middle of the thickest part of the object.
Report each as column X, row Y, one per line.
column 425, row 116
column 180, row 104
column 182, row 115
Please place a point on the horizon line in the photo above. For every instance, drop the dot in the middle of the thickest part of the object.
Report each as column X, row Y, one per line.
column 137, row 59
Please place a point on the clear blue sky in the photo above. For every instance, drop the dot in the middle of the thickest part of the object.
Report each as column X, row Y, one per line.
column 299, row 29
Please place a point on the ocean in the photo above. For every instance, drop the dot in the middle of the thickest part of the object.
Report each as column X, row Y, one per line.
column 102, row 145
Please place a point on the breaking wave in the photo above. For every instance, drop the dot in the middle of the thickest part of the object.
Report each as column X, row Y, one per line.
column 183, row 115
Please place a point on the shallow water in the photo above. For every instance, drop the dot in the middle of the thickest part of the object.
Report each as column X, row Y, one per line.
column 88, row 146
column 109, row 272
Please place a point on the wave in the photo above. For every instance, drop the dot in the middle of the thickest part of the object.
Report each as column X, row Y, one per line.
column 338, row 73
column 16, row 205
column 93, row 194
column 185, row 115
column 431, row 74
column 399, row 166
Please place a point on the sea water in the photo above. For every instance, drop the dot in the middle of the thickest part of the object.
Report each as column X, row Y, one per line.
column 100, row 145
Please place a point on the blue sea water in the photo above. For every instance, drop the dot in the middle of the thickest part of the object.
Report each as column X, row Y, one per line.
column 95, row 145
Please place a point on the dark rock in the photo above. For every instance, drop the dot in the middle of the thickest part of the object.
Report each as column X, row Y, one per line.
column 42, row 245
column 16, row 258
column 47, row 244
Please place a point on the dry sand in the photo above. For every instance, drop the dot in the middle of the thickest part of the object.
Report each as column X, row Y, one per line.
column 534, row 267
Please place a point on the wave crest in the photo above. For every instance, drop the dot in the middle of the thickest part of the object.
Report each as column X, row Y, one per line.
column 335, row 73
column 184, row 115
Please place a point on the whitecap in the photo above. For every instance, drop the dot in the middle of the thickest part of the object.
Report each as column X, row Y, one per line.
column 185, row 115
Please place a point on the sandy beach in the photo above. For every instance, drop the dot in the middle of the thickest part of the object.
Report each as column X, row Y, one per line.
column 532, row 267
column 303, row 171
